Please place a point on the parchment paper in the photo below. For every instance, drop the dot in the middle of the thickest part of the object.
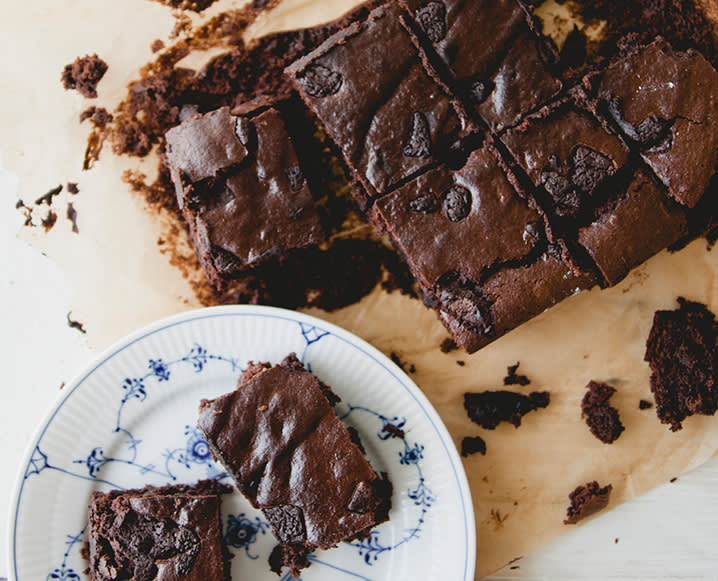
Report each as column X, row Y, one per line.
column 123, row 278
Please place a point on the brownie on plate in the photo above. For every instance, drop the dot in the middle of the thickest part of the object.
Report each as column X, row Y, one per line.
column 592, row 191
column 665, row 103
column 241, row 189
column 291, row 456
column 494, row 58
column 172, row 532
column 477, row 248
column 369, row 88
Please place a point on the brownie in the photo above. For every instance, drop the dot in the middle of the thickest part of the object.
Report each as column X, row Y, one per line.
column 241, row 189
column 369, row 88
column 292, row 457
column 665, row 104
column 494, row 58
column 601, row 418
column 574, row 160
column 473, row 445
column 171, row 532
column 83, row 75
column 682, row 351
column 587, row 500
column 466, row 221
column 489, row 408
column 630, row 229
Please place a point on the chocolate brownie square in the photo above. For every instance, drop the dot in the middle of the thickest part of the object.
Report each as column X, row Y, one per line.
column 492, row 54
column 665, row 102
column 369, row 88
column 171, row 532
column 468, row 220
column 291, row 456
column 241, row 189
column 682, row 351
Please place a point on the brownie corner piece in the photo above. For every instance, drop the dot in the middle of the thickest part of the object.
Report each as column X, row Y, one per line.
column 664, row 103
column 241, row 189
column 388, row 116
column 173, row 531
column 682, row 352
column 273, row 434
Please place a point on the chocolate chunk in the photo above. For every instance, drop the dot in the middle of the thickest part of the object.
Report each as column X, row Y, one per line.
column 424, row 204
column 589, row 169
column 364, row 498
column 473, row 445
column 600, row 416
column 296, row 178
column 587, row 500
column 432, row 19
column 320, row 81
column 419, row 144
column 287, row 523
column 489, row 408
column 457, row 203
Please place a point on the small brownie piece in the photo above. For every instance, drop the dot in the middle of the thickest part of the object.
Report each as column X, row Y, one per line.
column 599, row 415
column 494, row 58
column 369, row 88
column 292, row 457
column 172, row 532
column 489, row 408
column 473, row 445
column 665, row 104
column 241, row 190
column 571, row 157
column 466, row 221
column 587, row 500
column 682, row 351
column 629, row 230
column 84, row 74
column 512, row 378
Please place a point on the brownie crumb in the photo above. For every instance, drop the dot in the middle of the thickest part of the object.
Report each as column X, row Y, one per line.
column 682, row 351
column 47, row 197
column 75, row 324
column 473, row 445
column 600, row 416
column 644, row 405
column 615, row 541
column 84, row 74
column 489, row 408
column 98, row 116
column 513, row 379
column 411, row 368
column 672, row 480
column 72, row 188
column 49, row 221
column 393, row 431
column 72, row 216
column 514, row 567
column 448, row 345
column 157, row 45
column 193, row 5
column 460, row 363
column 587, row 500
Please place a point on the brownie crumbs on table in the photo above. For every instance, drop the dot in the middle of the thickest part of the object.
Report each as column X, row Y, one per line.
column 193, row 5
column 72, row 188
column 84, row 74
column 513, row 379
column 473, row 445
column 644, row 405
column 71, row 215
column 587, row 500
column 682, row 351
column 489, row 408
column 601, row 418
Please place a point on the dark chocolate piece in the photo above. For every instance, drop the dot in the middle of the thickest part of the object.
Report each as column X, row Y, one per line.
column 489, row 408
column 84, row 74
column 172, row 532
column 473, row 445
column 682, row 351
column 272, row 435
column 665, row 104
column 368, row 87
column 495, row 60
column 246, row 201
column 587, row 500
column 600, row 416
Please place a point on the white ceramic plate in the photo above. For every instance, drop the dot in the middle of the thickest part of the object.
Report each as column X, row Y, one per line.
column 129, row 420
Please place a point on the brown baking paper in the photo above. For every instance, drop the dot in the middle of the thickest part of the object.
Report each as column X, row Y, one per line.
column 129, row 266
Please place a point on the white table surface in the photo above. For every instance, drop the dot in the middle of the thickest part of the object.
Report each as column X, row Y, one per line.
column 670, row 533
